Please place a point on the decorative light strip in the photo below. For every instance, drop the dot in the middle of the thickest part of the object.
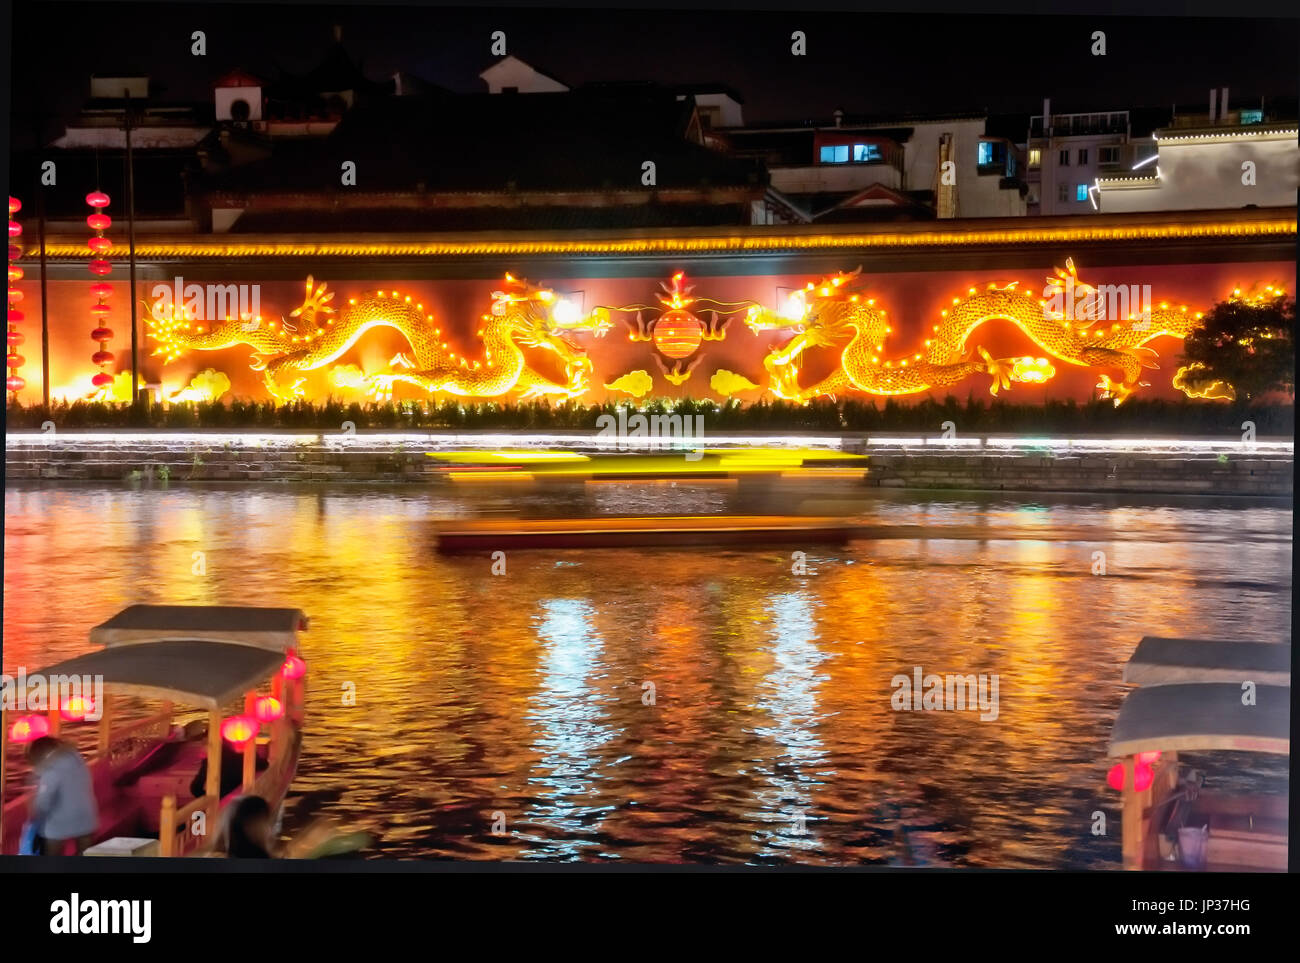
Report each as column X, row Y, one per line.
column 99, row 222
column 14, row 338
column 1210, row 135
column 739, row 244
column 591, row 440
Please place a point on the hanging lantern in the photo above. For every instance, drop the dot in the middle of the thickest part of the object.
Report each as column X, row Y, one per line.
column 293, row 667
column 1115, row 778
column 29, row 728
column 239, row 731
column 76, row 708
column 13, row 337
column 268, row 709
column 100, row 266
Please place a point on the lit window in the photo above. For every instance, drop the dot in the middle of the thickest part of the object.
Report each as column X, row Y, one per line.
column 1252, row 117
column 1081, row 192
column 1035, row 157
column 986, row 153
column 865, row 153
column 835, row 154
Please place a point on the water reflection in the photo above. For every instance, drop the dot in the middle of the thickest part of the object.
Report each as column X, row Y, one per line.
column 525, row 694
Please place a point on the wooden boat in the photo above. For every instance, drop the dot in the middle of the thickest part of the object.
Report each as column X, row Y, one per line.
column 608, row 532
column 1193, row 697
column 179, row 660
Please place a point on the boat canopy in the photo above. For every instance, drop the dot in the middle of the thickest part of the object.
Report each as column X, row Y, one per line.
column 206, row 674
column 1203, row 716
column 1158, row 661
column 265, row 628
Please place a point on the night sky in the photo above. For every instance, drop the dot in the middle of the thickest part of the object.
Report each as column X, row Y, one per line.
column 862, row 63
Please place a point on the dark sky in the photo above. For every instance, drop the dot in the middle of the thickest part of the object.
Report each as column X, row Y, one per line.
column 862, row 63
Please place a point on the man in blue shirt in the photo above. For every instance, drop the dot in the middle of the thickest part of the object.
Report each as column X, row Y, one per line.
column 64, row 805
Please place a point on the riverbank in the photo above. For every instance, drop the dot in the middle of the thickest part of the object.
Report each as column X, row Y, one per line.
column 986, row 463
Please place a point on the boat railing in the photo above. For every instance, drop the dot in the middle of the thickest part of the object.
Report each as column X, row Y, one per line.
column 175, row 837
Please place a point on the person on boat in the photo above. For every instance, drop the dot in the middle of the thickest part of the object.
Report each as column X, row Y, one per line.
column 232, row 771
column 63, row 807
column 249, row 829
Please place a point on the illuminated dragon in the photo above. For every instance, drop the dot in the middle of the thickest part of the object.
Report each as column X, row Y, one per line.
column 522, row 316
column 830, row 313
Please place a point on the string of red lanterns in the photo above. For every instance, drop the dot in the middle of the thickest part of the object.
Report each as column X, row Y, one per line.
column 99, row 222
column 14, row 338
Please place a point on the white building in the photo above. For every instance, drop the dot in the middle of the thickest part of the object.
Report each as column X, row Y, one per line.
column 1066, row 153
column 1209, row 162
column 510, row 75
column 890, row 168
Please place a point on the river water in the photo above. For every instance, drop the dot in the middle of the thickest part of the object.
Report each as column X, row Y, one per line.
column 694, row 705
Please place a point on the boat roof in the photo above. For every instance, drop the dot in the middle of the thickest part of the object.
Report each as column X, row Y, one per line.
column 267, row 628
column 202, row 673
column 1203, row 716
column 1159, row 661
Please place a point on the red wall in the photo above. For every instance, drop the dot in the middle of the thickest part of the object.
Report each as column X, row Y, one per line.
column 913, row 300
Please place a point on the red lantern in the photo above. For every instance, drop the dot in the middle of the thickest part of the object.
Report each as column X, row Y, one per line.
column 268, row 709
column 1142, row 776
column 76, row 708
column 100, row 222
column 239, row 731
column 1115, row 778
column 293, row 667
column 32, row 727
column 14, row 361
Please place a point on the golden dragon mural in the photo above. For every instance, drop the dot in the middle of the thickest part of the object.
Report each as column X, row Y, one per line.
column 316, row 334
column 832, row 312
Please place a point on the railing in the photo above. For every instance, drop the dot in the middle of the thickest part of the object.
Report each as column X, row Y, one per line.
column 177, row 842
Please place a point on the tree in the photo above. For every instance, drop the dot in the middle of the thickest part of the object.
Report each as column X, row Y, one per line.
column 1244, row 349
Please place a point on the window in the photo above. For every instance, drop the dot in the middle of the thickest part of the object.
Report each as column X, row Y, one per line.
column 1252, row 117
column 1063, row 193
column 835, row 154
column 1065, row 158
column 1081, row 192
column 1083, row 157
column 986, row 153
column 1108, row 155
column 865, row 153
column 1035, row 157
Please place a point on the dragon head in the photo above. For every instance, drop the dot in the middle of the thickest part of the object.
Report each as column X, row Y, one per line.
column 812, row 308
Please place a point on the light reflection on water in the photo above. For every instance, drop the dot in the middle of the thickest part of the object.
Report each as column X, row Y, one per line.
column 769, row 738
